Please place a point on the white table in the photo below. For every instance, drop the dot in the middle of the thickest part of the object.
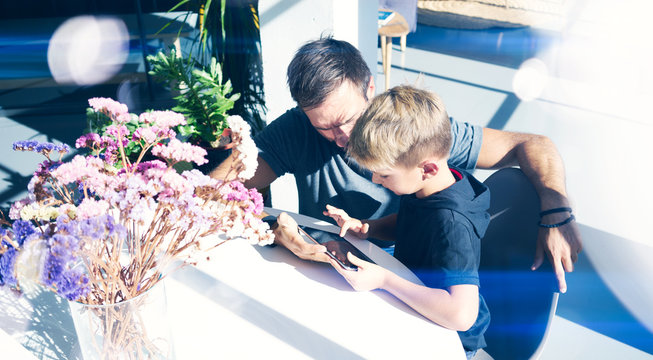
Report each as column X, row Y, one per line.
column 251, row 302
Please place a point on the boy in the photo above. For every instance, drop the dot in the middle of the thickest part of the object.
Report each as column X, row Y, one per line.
column 404, row 138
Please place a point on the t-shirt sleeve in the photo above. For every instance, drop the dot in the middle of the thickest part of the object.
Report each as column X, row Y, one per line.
column 465, row 145
column 279, row 144
column 457, row 256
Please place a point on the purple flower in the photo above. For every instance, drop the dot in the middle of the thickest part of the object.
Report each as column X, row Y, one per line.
column 7, row 267
column 25, row 145
column 22, row 229
column 88, row 140
column 60, row 274
column 44, row 148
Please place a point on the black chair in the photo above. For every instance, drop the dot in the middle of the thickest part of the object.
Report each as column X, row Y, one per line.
column 522, row 302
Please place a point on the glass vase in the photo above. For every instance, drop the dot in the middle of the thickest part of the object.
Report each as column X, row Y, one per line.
column 134, row 329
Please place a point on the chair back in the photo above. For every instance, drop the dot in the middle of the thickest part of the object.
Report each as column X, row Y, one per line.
column 522, row 302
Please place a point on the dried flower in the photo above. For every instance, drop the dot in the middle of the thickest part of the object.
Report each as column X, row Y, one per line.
column 99, row 234
column 246, row 150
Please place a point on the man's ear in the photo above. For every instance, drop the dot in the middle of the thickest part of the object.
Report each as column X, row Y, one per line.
column 429, row 169
column 371, row 89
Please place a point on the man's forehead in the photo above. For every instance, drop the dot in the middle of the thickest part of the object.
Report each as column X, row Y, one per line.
column 335, row 115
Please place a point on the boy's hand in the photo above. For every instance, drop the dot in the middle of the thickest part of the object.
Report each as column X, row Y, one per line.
column 368, row 277
column 346, row 222
column 287, row 235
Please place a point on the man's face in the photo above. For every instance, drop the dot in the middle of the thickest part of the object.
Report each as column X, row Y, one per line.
column 336, row 116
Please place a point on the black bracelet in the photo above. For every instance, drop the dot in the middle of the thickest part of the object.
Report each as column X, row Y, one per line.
column 556, row 210
column 565, row 222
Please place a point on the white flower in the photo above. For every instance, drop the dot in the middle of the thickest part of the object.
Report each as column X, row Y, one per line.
column 39, row 213
column 245, row 147
column 238, row 125
column 29, row 264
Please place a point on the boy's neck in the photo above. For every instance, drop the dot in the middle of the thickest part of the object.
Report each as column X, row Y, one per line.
column 440, row 181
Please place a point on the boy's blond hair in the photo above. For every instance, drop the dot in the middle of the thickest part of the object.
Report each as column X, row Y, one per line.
column 401, row 126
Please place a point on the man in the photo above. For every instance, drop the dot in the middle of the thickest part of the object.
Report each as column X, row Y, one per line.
column 332, row 84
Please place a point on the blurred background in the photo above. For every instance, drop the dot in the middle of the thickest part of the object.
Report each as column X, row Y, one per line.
column 578, row 71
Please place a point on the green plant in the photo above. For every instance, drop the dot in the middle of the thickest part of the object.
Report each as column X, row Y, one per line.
column 203, row 97
column 229, row 31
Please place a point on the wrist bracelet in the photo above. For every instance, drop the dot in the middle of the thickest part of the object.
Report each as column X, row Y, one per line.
column 565, row 222
column 556, row 210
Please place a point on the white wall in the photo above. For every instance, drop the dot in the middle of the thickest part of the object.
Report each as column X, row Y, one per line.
column 288, row 24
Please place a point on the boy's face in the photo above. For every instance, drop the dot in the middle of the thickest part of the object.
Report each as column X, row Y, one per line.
column 336, row 116
column 399, row 179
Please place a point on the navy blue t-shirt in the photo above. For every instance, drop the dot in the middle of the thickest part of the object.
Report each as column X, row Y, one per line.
column 439, row 239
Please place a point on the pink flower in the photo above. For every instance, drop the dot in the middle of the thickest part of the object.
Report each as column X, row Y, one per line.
column 117, row 131
column 89, row 140
column 90, row 208
column 86, row 170
column 178, row 151
column 145, row 133
column 164, row 119
column 176, row 182
column 116, row 111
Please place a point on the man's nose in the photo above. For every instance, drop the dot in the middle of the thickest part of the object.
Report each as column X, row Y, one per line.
column 341, row 137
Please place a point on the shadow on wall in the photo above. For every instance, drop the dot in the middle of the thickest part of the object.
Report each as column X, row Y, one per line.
column 610, row 290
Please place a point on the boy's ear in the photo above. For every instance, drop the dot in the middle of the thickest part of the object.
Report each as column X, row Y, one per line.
column 429, row 169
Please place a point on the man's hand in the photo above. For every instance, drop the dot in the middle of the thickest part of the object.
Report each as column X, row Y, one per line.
column 347, row 222
column 538, row 157
column 287, row 235
column 562, row 245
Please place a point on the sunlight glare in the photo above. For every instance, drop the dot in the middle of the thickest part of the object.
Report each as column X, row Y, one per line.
column 530, row 80
column 87, row 50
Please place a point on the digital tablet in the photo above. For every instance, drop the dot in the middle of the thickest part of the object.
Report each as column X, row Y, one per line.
column 337, row 246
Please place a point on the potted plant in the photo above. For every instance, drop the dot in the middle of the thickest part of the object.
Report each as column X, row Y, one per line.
column 229, row 31
column 202, row 97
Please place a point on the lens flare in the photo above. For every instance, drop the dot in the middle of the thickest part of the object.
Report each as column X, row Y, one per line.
column 530, row 80
column 88, row 50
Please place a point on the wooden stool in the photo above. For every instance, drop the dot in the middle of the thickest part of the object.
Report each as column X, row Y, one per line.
column 396, row 27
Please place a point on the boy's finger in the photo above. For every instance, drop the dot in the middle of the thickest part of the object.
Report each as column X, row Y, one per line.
column 343, row 229
column 355, row 260
column 337, row 266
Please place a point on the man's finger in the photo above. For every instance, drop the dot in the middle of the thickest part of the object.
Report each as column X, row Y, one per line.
column 560, row 275
column 539, row 256
column 568, row 263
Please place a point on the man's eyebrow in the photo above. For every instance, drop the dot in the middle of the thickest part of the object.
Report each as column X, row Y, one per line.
column 339, row 125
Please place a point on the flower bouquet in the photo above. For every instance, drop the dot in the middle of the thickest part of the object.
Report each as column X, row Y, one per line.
column 102, row 235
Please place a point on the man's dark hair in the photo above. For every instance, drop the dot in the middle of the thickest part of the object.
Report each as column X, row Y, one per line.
column 321, row 66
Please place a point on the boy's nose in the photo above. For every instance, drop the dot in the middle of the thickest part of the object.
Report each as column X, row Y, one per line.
column 376, row 178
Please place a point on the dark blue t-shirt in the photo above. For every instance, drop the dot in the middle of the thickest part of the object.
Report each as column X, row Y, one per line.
column 439, row 239
column 325, row 175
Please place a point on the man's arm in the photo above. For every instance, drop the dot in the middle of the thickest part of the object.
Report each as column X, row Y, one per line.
column 286, row 233
column 539, row 159
column 263, row 176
